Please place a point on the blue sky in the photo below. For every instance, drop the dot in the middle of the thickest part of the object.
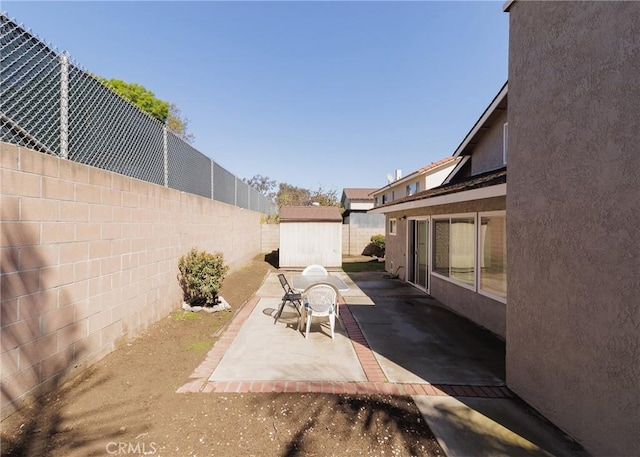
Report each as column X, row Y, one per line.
column 331, row 94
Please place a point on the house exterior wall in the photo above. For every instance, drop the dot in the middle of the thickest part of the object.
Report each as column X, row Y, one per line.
column 90, row 258
column 488, row 153
column 425, row 180
column 306, row 243
column 573, row 320
column 484, row 311
column 359, row 206
column 437, row 178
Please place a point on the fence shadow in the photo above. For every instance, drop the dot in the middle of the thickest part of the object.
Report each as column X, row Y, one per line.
column 39, row 357
column 374, row 419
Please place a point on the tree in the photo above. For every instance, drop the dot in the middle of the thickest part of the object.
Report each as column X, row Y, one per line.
column 288, row 195
column 178, row 124
column 165, row 112
column 298, row 196
column 263, row 184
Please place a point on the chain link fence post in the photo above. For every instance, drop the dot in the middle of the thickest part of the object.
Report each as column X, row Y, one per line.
column 212, row 180
column 165, row 151
column 64, row 105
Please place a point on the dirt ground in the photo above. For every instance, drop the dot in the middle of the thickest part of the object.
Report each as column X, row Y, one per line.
column 127, row 404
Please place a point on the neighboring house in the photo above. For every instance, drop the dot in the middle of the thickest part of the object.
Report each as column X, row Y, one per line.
column 357, row 201
column 359, row 225
column 310, row 235
column 425, row 178
column 450, row 241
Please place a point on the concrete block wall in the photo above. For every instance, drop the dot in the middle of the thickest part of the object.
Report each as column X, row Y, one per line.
column 270, row 237
column 89, row 259
column 355, row 239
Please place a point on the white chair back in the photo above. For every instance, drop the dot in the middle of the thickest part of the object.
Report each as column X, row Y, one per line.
column 315, row 270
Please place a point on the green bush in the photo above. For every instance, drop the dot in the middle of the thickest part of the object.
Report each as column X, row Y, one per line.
column 378, row 242
column 201, row 276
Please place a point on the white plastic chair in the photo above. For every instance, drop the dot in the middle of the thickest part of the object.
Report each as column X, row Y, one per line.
column 319, row 300
column 315, row 270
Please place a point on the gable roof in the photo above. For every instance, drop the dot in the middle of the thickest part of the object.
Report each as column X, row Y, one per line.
column 310, row 214
column 358, row 194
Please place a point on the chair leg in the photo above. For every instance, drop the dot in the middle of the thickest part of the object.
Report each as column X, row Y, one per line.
column 279, row 312
column 332, row 323
column 306, row 334
column 301, row 318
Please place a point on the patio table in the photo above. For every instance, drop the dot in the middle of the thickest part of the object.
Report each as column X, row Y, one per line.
column 300, row 282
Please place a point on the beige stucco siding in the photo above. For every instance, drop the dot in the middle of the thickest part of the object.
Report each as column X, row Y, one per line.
column 488, row 153
column 573, row 320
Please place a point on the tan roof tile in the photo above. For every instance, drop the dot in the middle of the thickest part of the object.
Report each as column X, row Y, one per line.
column 358, row 193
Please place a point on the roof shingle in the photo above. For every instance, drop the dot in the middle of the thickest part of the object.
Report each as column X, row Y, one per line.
column 310, row 214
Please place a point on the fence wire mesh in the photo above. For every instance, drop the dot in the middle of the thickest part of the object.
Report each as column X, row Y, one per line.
column 29, row 90
column 189, row 169
column 51, row 105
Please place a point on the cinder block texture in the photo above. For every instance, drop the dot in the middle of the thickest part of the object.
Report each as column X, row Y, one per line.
column 90, row 258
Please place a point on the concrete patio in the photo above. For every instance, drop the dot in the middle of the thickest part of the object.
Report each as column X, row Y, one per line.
column 391, row 338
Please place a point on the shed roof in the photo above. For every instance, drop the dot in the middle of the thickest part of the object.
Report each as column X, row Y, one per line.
column 310, row 214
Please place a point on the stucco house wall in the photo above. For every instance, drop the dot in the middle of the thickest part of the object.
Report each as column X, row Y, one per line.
column 573, row 320
column 487, row 154
column 90, row 258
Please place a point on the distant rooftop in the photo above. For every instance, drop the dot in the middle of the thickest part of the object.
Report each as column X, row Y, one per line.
column 359, row 193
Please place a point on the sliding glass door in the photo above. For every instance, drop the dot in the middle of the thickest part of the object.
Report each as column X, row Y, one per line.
column 418, row 268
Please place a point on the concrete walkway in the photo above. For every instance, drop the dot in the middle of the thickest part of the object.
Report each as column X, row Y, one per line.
column 391, row 338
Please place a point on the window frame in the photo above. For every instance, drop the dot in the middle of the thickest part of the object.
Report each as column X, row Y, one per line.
column 393, row 224
column 432, row 261
column 505, row 139
column 500, row 213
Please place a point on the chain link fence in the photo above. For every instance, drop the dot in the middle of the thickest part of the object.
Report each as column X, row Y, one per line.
column 50, row 105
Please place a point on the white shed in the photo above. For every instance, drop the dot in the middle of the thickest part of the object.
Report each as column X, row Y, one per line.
column 310, row 235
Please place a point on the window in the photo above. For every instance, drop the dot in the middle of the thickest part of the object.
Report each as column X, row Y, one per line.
column 413, row 188
column 492, row 247
column 505, row 137
column 393, row 226
column 454, row 248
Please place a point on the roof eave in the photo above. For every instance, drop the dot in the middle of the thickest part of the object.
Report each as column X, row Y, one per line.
column 497, row 190
column 483, row 119
column 507, row 5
